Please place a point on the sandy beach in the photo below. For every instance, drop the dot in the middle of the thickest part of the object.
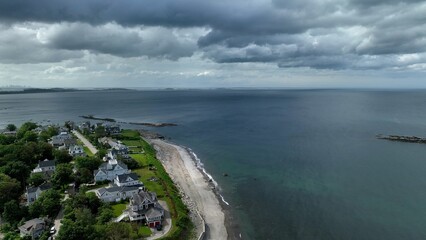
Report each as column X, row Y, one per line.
column 196, row 190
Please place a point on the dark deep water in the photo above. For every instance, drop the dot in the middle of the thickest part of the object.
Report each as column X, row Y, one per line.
column 302, row 164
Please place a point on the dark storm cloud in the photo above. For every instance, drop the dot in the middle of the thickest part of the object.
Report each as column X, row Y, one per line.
column 115, row 40
column 327, row 34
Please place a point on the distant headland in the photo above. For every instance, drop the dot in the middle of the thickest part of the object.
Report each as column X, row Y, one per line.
column 92, row 117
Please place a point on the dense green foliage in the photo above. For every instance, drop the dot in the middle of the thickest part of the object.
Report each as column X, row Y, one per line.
column 63, row 175
column 62, row 156
column 10, row 189
column 48, row 204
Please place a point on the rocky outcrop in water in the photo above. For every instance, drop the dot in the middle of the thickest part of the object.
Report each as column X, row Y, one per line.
column 397, row 138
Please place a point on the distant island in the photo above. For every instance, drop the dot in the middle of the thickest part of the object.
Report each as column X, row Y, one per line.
column 50, row 90
column 92, row 117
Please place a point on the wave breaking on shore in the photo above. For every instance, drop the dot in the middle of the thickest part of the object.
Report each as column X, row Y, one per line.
column 200, row 166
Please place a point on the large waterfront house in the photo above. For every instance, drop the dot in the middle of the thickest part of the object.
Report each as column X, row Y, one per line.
column 129, row 179
column 32, row 228
column 117, row 193
column 111, row 129
column 144, row 207
column 45, row 166
column 110, row 169
column 33, row 193
column 76, row 151
column 64, row 140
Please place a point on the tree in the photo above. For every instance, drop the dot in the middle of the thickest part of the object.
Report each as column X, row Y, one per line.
column 49, row 133
column 63, row 175
column 36, row 179
column 12, row 212
column 130, row 162
column 30, row 137
column 44, row 151
column 100, row 131
column 117, row 231
column 101, row 153
column 48, row 204
column 105, row 214
column 6, row 140
column 83, row 175
column 9, row 189
column 62, row 156
column 91, row 163
column 28, row 126
column 17, row 170
column 11, row 127
column 80, row 225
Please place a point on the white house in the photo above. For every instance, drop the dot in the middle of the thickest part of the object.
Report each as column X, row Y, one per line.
column 129, row 179
column 116, row 193
column 76, row 151
column 33, row 193
column 144, row 206
column 110, row 169
column 45, row 166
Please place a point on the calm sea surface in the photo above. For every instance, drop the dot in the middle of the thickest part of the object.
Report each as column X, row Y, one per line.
column 301, row 164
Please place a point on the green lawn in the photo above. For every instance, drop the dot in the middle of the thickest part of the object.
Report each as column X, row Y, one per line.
column 87, row 151
column 144, row 231
column 118, row 209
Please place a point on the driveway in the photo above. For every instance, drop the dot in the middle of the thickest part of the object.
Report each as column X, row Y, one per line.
column 167, row 223
column 57, row 222
column 86, row 142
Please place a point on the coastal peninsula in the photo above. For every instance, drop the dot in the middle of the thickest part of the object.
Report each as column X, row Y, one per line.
column 151, row 188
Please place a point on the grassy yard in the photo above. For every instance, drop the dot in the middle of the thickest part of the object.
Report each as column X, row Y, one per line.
column 118, row 209
column 144, row 231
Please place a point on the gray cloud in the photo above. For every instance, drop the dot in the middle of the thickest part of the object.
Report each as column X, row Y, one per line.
column 329, row 34
column 116, row 40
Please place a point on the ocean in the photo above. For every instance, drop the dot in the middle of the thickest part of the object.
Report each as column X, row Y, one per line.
column 301, row 164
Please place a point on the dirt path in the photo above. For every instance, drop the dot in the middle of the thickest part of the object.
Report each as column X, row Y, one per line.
column 86, row 142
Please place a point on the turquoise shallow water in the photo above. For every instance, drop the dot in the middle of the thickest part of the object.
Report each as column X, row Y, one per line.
column 302, row 164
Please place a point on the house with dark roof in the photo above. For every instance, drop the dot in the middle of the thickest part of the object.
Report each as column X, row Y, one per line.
column 110, row 169
column 45, row 166
column 128, row 179
column 144, row 207
column 116, row 193
column 33, row 193
column 32, row 228
column 61, row 139
column 111, row 129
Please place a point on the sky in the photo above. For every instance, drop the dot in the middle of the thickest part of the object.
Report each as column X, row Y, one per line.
column 213, row 43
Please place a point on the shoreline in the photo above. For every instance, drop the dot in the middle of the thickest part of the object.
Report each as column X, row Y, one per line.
column 199, row 190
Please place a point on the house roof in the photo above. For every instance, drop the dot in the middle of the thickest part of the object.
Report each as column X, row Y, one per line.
column 42, row 187
column 33, row 224
column 140, row 197
column 123, row 177
column 46, row 163
column 76, row 148
column 45, row 186
column 115, row 188
column 113, row 163
column 154, row 212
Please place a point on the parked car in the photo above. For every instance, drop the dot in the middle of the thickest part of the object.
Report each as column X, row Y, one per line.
column 52, row 230
column 159, row 227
